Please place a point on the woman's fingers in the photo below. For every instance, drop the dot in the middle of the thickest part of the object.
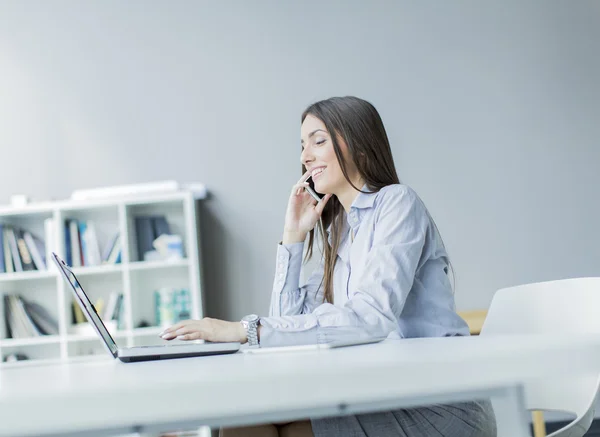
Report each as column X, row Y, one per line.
column 321, row 205
column 299, row 188
column 175, row 327
column 304, row 177
column 195, row 335
column 172, row 331
column 185, row 332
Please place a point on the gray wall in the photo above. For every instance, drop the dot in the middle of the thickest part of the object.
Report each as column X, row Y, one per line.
column 492, row 110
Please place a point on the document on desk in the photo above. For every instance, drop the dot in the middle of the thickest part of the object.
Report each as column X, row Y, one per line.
column 268, row 350
column 309, row 347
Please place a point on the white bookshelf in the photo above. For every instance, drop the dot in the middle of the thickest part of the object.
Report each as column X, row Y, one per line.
column 136, row 279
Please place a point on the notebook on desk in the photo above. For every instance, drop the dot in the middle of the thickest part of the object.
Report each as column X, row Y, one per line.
column 138, row 353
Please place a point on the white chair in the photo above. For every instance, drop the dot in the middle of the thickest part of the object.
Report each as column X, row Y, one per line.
column 569, row 306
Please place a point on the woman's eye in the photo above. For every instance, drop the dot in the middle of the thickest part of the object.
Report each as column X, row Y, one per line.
column 319, row 142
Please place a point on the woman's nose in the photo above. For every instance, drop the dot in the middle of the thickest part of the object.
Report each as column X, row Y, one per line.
column 306, row 156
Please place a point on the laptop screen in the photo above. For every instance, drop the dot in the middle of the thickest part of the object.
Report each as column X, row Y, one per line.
column 86, row 305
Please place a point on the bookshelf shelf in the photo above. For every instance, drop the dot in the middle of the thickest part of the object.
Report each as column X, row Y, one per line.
column 27, row 276
column 91, row 337
column 31, row 341
column 97, row 270
column 114, row 224
column 152, row 265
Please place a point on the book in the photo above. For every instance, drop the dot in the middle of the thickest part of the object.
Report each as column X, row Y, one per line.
column 91, row 242
column 21, row 324
column 32, row 330
column 36, row 249
column 75, row 243
column 109, row 247
column 78, row 316
column 16, row 329
column 41, row 318
column 181, row 305
column 160, row 226
column 26, row 259
column 119, row 315
column 50, row 240
column 68, row 251
column 99, row 305
column 2, row 266
column 111, row 306
column 115, row 254
column 8, row 263
column 7, row 324
column 171, row 305
column 144, row 232
column 148, row 229
column 14, row 250
column 24, row 318
column 85, row 260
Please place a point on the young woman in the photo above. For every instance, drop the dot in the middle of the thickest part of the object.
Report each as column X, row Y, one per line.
column 383, row 272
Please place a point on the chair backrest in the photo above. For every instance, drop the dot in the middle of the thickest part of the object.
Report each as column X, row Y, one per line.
column 568, row 306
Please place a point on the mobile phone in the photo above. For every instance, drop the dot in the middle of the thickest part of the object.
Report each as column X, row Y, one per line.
column 311, row 190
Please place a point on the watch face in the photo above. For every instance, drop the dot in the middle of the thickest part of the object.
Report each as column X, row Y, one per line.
column 250, row 318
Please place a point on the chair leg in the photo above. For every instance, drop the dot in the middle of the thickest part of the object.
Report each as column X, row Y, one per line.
column 539, row 426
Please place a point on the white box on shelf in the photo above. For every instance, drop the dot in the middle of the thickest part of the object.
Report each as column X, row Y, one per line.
column 126, row 190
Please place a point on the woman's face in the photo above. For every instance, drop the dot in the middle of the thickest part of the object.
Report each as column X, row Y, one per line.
column 319, row 158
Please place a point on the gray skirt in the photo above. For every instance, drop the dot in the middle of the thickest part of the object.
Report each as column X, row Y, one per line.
column 467, row 419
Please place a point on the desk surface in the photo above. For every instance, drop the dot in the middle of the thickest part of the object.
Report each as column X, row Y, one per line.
column 219, row 390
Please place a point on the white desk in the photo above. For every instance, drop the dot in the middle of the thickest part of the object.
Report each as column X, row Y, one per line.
column 104, row 397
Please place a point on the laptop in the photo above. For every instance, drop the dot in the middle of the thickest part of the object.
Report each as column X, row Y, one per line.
column 138, row 353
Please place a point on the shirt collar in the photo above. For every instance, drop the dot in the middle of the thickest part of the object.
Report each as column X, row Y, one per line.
column 362, row 202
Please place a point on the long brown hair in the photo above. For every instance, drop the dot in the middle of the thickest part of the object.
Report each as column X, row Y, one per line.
column 358, row 123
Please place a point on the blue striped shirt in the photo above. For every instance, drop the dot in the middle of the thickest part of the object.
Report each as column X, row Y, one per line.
column 390, row 281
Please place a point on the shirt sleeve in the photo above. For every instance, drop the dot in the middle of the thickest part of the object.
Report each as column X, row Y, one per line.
column 401, row 224
column 288, row 298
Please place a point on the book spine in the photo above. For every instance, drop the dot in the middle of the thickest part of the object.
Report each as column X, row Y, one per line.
column 32, row 330
column 33, row 250
column 7, row 317
column 109, row 247
column 75, row 243
column 144, row 233
column 160, row 226
column 92, row 244
column 2, row 262
column 68, row 247
column 18, row 319
column 41, row 318
column 79, row 316
column 26, row 259
column 109, row 310
column 85, row 256
column 49, row 236
column 164, row 306
column 115, row 254
column 14, row 250
column 8, row 262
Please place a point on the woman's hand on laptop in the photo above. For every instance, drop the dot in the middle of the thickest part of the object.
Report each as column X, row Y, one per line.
column 206, row 329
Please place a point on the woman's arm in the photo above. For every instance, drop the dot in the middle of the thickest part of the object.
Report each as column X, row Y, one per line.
column 401, row 225
column 302, row 214
column 288, row 297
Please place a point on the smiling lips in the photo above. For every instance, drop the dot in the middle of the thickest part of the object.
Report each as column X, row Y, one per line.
column 317, row 172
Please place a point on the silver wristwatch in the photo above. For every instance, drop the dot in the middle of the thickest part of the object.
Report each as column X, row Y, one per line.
column 250, row 323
